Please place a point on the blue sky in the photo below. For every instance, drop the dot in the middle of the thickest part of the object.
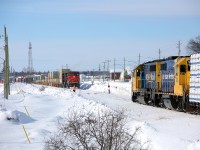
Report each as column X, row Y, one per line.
column 83, row 34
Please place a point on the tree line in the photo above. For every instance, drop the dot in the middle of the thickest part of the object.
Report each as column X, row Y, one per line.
column 193, row 45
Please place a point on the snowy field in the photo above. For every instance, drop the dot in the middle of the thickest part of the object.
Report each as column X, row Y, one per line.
column 39, row 110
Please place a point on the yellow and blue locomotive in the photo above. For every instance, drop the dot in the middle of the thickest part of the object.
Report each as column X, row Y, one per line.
column 166, row 83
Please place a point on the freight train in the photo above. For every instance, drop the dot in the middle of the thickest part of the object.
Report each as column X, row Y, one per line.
column 71, row 78
column 172, row 83
column 62, row 78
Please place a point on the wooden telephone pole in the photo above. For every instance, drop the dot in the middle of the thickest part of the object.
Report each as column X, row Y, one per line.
column 6, row 67
column 114, row 69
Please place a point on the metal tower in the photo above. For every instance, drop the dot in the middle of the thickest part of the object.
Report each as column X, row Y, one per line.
column 30, row 60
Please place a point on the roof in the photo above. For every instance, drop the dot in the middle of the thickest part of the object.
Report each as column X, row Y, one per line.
column 168, row 58
column 116, row 70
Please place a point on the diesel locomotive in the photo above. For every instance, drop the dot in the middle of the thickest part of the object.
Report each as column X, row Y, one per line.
column 71, row 78
column 169, row 83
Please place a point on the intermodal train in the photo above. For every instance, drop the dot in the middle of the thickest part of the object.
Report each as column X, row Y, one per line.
column 173, row 83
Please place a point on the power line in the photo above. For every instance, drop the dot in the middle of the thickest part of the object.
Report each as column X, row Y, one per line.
column 103, row 70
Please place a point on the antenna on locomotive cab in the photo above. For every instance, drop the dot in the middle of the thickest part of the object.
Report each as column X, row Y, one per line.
column 179, row 48
column 139, row 59
column 159, row 54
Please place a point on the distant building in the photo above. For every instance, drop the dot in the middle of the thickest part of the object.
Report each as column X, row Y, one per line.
column 20, row 79
column 115, row 75
column 1, row 77
column 125, row 75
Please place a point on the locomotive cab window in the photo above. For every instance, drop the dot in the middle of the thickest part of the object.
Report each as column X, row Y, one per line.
column 153, row 68
column 138, row 73
column 163, row 66
column 182, row 69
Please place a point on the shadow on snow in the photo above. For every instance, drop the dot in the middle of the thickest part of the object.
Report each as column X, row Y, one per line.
column 85, row 86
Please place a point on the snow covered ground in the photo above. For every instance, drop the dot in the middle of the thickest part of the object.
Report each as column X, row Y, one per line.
column 39, row 110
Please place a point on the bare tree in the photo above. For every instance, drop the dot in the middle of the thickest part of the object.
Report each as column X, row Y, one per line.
column 194, row 45
column 87, row 131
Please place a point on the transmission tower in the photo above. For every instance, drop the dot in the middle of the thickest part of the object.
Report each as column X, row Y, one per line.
column 30, row 60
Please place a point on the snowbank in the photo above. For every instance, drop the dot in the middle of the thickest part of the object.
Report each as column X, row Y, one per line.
column 39, row 111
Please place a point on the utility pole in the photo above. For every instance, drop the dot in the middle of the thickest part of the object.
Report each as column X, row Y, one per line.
column 8, row 70
column 66, row 66
column 99, row 67
column 93, row 76
column 99, row 74
column 159, row 54
column 179, row 48
column 103, row 70
column 114, row 69
column 108, row 65
column 124, row 67
column 6, row 67
column 108, row 68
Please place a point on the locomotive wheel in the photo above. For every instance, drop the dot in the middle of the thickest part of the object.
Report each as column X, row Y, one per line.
column 134, row 97
column 174, row 103
column 146, row 99
column 171, row 103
